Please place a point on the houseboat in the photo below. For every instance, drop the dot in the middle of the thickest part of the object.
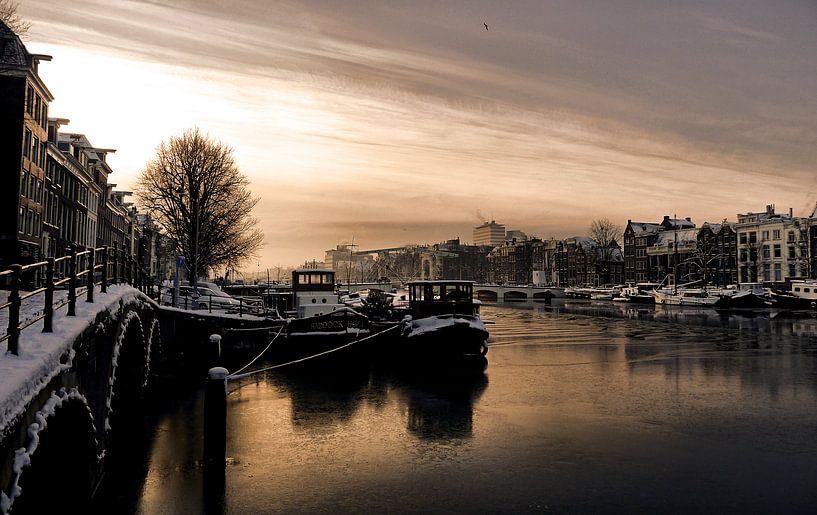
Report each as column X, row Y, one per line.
column 317, row 310
column 444, row 324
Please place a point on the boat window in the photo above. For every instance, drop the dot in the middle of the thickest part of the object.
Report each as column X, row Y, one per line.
column 806, row 290
column 797, row 289
column 303, row 279
column 436, row 291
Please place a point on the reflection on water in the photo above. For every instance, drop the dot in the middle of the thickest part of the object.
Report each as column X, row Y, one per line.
column 583, row 407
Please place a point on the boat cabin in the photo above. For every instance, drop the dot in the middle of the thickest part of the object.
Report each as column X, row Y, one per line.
column 313, row 291
column 431, row 298
column 804, row 288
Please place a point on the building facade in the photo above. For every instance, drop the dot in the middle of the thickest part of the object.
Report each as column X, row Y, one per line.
column 489, row 233
column 24, row 101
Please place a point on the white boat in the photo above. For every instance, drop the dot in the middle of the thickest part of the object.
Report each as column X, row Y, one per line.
column 691, row 296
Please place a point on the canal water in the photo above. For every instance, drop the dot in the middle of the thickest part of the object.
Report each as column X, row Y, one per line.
column 582, row 408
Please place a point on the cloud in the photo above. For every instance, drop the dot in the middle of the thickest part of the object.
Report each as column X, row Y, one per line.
column 400, row 124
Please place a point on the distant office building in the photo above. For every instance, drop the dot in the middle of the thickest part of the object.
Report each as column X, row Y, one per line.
column 489, row 233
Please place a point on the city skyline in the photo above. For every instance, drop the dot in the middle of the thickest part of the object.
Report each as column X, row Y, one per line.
column 412, row 126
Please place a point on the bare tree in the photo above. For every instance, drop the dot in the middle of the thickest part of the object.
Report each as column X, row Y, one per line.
column 194, row 189
column 706, row 257
column 606, row 234
column 9, row 16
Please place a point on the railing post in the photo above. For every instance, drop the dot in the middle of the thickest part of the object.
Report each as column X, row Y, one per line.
column 91, row 272
column 210, row 305
column 72, row 283
column 240, row 306
column 104, row 286
column 48, row 311
column 14, row 310
column 115, row 263
column 128, row 261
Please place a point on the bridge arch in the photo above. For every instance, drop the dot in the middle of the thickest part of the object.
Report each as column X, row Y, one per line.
column 130, row 363
column 514, row 296
column 546, row 295
column 487, row 295
column 63, row 436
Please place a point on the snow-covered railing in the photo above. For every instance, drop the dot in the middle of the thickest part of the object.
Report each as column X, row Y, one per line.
column 83, row 268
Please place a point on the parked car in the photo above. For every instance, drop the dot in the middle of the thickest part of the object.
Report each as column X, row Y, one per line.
column 206, row 298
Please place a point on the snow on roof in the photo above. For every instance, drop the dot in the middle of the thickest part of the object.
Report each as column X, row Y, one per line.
column 665, row 237
column 644, row 227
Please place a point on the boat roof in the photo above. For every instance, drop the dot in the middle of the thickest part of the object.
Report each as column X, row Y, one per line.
column 314, row 270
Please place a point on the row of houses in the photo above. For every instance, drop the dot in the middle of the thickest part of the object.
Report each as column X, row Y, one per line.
column 57, row 193
column 760, row 247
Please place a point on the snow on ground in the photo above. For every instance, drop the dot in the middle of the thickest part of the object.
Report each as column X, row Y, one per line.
column 23, row 377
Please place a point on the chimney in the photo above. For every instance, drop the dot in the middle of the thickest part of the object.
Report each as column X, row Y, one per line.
column 666, row 218
column 791, row 212
column 688, row 219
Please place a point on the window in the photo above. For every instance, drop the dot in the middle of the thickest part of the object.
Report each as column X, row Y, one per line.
column 30, row 100
column 791, row 252
column 743, row 238
column 777, row 251
column 38, row 104
column 35, row 151
column 752, row 237
column 743, row 254
column 791, row 235
column 21, row 221
column 776, row 234
column 765, row 235
column 27, row 144
column 766, row 254
column 792, row 270
column 778, row 276
column 806, row 290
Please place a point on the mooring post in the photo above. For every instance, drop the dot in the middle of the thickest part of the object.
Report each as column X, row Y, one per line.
column 215, row 350
column 215, row 416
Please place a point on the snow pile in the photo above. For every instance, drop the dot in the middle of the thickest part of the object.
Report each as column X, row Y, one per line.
column 433, row 324
column 44, row 355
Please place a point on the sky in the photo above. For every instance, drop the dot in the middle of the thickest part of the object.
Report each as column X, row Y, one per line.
column 408, row 122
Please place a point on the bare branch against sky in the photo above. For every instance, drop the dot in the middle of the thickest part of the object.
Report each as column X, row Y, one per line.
column 397, row 124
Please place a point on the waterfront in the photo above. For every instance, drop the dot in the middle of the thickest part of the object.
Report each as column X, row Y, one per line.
column 583, row 407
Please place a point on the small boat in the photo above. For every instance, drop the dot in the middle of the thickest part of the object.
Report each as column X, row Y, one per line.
column 443, row 325
column 635, row 295
column 691, row 296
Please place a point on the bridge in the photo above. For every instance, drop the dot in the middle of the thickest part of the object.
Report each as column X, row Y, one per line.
column 81, row 351
column 511, row 293
column 78, row 352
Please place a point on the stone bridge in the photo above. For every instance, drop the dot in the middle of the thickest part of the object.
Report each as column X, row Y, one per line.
column 65, row 392
column 511, row 293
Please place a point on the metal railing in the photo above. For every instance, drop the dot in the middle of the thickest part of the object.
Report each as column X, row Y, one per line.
column 85, row 271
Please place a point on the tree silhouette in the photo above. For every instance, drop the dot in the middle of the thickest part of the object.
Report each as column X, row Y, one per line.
column 9, row 16
column 194, row 189
column 606, row 235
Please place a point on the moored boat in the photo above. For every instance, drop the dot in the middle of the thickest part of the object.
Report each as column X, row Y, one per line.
column 444, row 324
